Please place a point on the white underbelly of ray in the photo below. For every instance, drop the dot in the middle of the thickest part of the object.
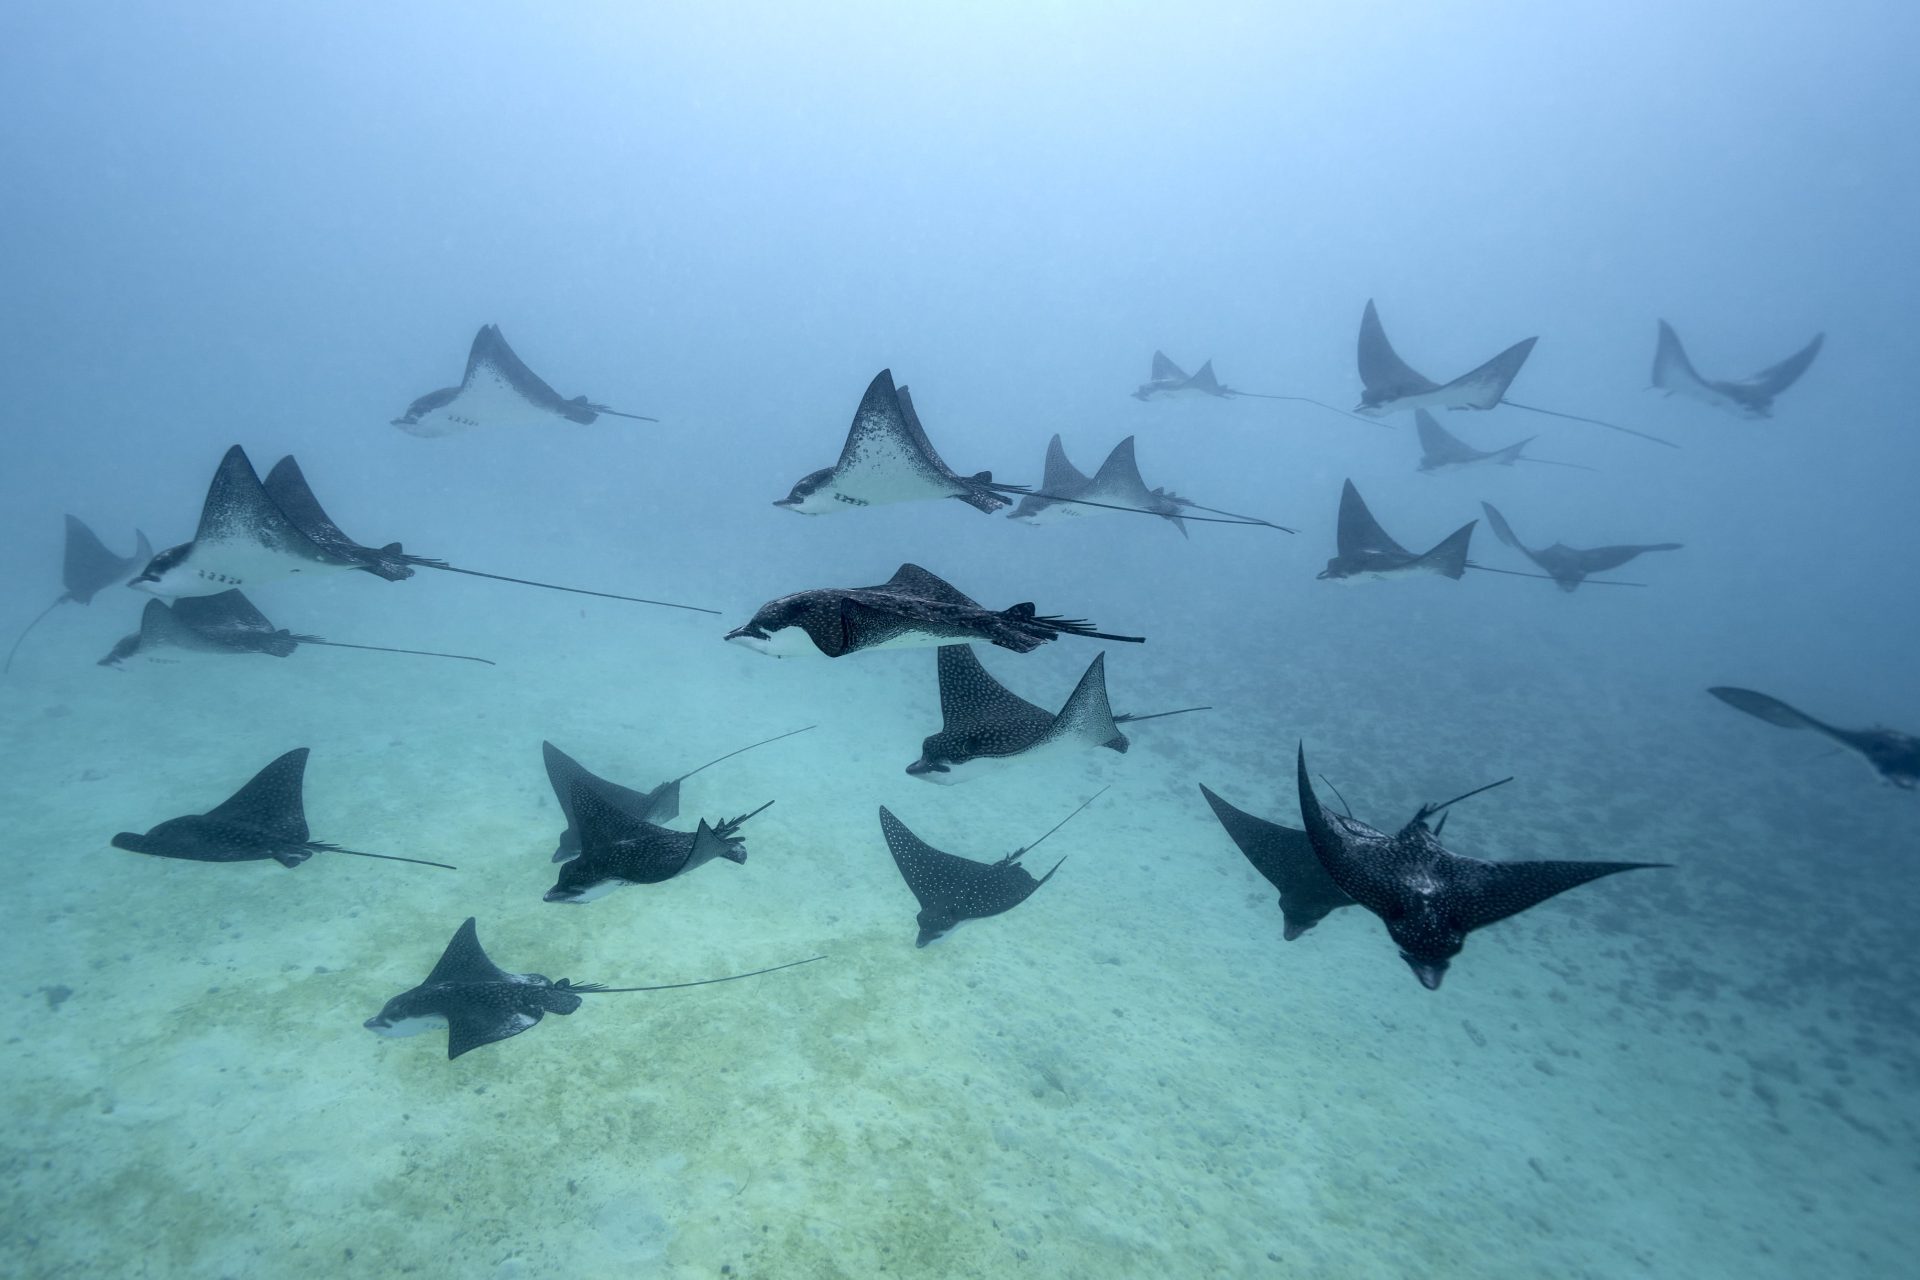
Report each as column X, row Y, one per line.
column 489, row 402
column 213, row 567
column 412, row 1026
column 1439, row 398
column 879, row 475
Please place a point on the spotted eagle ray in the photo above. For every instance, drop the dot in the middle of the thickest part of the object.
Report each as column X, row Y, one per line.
column 912, row 609
column 1431, row 899
column 264, row 819
column 887, row 458
column 984, row 724
column 1169, row 379
column 478, row 1002
column 498, row 390
column 1366, row 550
column 1390, row 384
column 1284, row 857
column 1569, row 566
column 618, row 849
column 252, row 533
column 87, row 568
column 1117, row 486
column 1895, row 756
column 660, row 805
column 1751, row 397
column 1440, row 449
column 952, row 890
column 228, row 624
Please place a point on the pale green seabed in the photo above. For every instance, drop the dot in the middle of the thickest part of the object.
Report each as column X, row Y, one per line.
column 1129, row 1075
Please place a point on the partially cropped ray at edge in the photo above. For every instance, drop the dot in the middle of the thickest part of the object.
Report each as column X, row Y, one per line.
column 265, row 819
column 984, row 724
column 1441, row 450
column 478, row 1003
column 1430, row 899
column 1750, row 397
column 228, row 625
column 252, row 532
column 952, row 890
column 913, row 609
column 1571, row 566
column 1065, row 492
column 660, row 805
column 1390, row 384
column 86, row 568
column 498, row 390
column 1892, row 755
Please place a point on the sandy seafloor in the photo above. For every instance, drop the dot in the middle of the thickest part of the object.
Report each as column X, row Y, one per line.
column 1701, row 1072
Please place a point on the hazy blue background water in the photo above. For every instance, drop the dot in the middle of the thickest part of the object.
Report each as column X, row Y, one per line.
column 278, row 224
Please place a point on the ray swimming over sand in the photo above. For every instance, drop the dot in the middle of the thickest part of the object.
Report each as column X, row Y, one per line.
column 1570, row 566
column 887, row 458
column 985, row 724
column 618, row 849
column 1285, row 858
column 1441, row 450
column 498, row 390
column 660, row 805
column 952, row 890
column 1390, row 384
column 912, row 609
column 1893, row 755
column 478, row 1002
column 267, row 818
column 1750, row 397
column 252, row 532
column 1116, row 486
column 86, row 568
column 228, row 624
column 1431, row 899
column 1365, row 550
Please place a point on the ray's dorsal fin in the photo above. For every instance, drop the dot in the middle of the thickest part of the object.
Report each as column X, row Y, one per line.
column 1763, row 707
column 1382, row 370
column 227, row 611
column 1774, row 379
column 1359, row 533
column 565, row 775
column 1165, row 370
column 1204, row 380
column 1119, row 475
column 1486, row 386
column 271, row 802
column 465, row 961
column 239, row 509
column 971, row 700
column 490, row 348
column 1060, row 475
column 1449, row 557
column 911, row 579
column 1087, row 715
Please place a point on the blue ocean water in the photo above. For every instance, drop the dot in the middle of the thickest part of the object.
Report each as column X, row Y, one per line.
column 277, row 226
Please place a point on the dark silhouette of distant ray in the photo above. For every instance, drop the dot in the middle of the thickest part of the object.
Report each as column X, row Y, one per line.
column 88, row 566
column 1570, row 566
column 1750, row 397
column 952, row 890
column 252, row 532
column 498, row 390
column 1285, row 858
column 887, row 458
column 1366, row 550
column 618, row 849
column 1895, row 756
column 982, row 722
column 1441, row 449
column 1392, row 385
column 478, row 1002
column 912, row 609
column 660, row 805
column 264, row 819
column 228, row 624
column 1431, row 899
column 1117, row 486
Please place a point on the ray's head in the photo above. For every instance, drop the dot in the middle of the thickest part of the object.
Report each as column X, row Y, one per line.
column 934, row 925
column 133, row 841
column 166, row 573
column 810, row 495
column 579, row 884
column 936, row 763
column 771, row 631
column 404, row 1015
